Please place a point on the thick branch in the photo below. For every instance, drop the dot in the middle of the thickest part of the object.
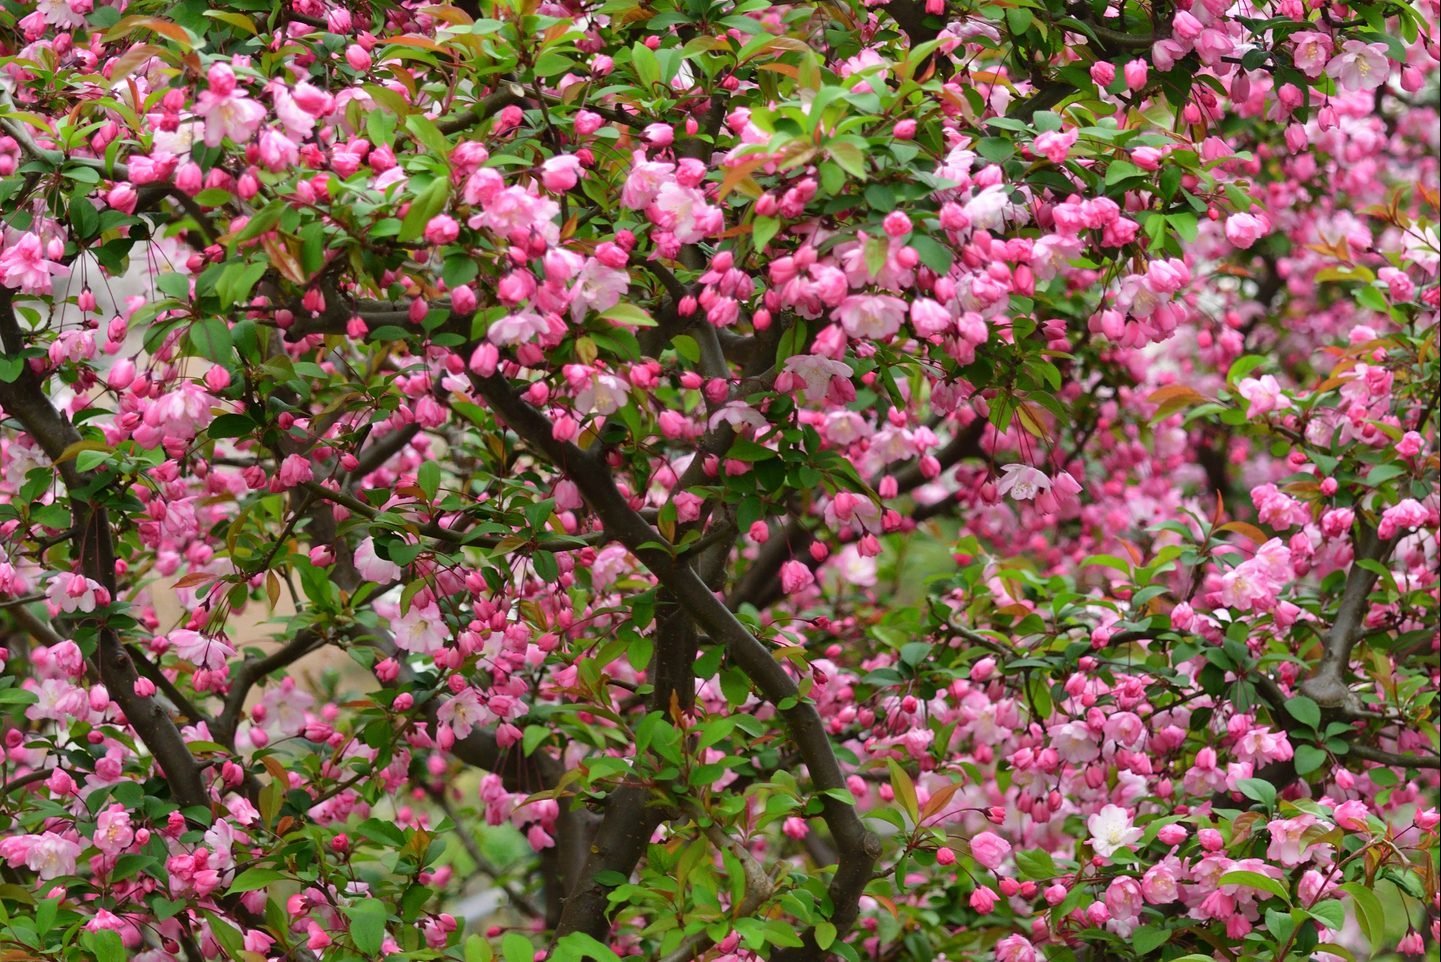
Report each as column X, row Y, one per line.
column 858, row 847
column 24, row 399
column 1327, row 686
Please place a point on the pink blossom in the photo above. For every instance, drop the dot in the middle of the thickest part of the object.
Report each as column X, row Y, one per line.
column 1243, row 230
column 1264, row 395
column 990, row 850
column 226, row 109
column 561, row 173
column 27, row 265
column 1310, row 51
column 201, row 650
column 1360, row 65
column 421, row 630
column 796, row 576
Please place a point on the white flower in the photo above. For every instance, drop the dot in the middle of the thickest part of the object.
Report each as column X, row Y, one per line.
column 605, row 394
column 371, row 566
column 1111, row 830
column 421, row 630
column 816, row 370
column 1023, row 482
column 596, row 288
column 871, row 316
column 52, row 855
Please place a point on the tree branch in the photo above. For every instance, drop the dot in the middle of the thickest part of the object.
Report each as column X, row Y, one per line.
column 857, row 846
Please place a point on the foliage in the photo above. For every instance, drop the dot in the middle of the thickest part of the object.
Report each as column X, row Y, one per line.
column 908, row 480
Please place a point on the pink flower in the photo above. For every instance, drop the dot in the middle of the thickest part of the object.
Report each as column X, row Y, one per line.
column 1288, row 847
column 1054, row 145
column 295, row 470
column 561, row 173
column 984, row 899
column 1015, row 948
column 990, row 849
column 441, row 229
column 421, row 630
column 796, row 576
column 876, row 317
column 1159, row 886
column 226, row 110
column 1408, row 514
column 1352, row 815
column 1243, row 230
column 371, row 566
column 945, row 856
column 1311, row 51
column 200, row 650
column 1264, row 395
column 27, row 266
column 113, row 832
column 1137, row 72
column 1360, row 66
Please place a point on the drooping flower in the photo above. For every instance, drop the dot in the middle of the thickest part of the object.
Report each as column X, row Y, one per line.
column 203, row 651
column 1022, row 482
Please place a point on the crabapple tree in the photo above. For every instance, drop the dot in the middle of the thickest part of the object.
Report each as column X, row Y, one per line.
column 719, row 479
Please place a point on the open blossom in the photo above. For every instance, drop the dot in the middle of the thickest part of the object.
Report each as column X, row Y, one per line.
column 50, row 855
column 1243, row 230
column 203, row 651
column 370, row 566
column 1264, row 395
column 1360, row 66
column 1111, row 830
column 876, row 317
column 816, row 375
column 1022, row 482
column 464, row 712
column 1288, row 845
column 421, row 630
column 1310, row 51
column 75, row 592
column 28, row 265
column 226, row 109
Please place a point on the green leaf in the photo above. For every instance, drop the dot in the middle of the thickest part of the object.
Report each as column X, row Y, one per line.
column 850, row 156
column 367, row 925
column 253, row 879
column 1305, row 711
column 430, row 202
column 1148, row 938
column 1330, row 913
column 1258, row 789
column 211, row 338
column 763, row 229
column 515, row 947
column 1255, row 880
column 264, row 219
column 825, row 935
column 905, row 790
column 1308, row 758
column 1370, row 915
column 428, row 477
